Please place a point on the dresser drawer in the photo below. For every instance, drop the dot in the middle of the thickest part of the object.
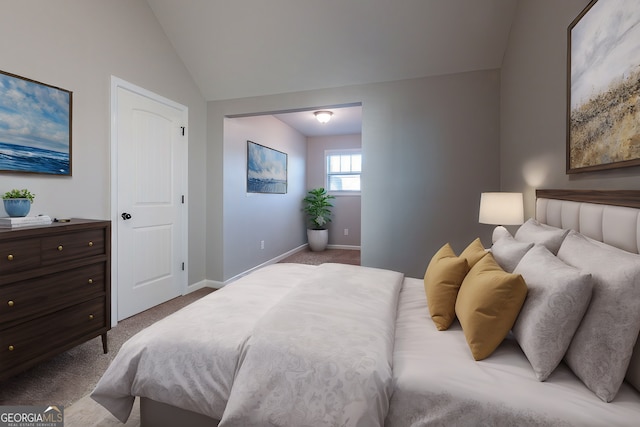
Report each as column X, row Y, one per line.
column 55, row 290
column 19, row 254
column 46, row 293
column 44, row 336
column 67, row 246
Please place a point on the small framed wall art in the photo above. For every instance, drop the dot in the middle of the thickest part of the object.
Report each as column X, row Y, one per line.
column 35, row 126
column 266, row 169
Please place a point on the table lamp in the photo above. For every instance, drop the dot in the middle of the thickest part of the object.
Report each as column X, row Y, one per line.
column 501, row 209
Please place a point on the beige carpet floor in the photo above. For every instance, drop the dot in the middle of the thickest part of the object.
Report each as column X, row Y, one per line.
column 87, row 413
column 69, row 378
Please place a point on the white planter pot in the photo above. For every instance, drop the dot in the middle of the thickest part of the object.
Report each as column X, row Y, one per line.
column 318, row 239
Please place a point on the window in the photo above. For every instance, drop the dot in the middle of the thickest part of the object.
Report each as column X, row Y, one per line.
column 343, row 170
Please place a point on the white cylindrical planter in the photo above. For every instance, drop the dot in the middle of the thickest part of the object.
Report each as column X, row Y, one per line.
column 318, row 239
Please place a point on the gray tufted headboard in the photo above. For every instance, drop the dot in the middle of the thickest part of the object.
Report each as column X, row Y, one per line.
column 612, row 217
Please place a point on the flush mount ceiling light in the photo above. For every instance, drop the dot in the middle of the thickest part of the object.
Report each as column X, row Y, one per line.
column 323, row 116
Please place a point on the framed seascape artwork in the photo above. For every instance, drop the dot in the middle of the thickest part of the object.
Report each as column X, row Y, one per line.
column 603, row 81
column 35, row 126
column 266, row 169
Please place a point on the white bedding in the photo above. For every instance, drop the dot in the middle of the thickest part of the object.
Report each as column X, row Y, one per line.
column 264, row 351
column 229, row 356
column 437, row 382
column 322, row 356
column 189, row 359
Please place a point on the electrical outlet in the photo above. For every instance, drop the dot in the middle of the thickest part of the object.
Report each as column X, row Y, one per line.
column 346, row 231
column 261, row 244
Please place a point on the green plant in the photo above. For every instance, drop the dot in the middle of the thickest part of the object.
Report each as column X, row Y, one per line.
column 19, row 194
column 317, row 206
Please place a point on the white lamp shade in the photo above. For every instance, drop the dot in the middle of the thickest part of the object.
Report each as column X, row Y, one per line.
column 501, row 209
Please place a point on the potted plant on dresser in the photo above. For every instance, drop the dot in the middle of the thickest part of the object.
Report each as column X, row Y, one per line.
column 17, row 203
column 317, row 206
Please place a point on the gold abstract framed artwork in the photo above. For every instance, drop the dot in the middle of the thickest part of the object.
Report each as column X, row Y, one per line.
column 603, row 87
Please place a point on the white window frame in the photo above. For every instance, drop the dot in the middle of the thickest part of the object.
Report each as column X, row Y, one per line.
column 334, row 152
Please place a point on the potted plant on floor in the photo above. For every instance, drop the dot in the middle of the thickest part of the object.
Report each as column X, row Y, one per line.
column 317, row 205
column 17, row 203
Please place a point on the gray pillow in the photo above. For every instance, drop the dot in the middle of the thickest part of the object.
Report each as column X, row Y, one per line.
column 508, row 252
column 533, row 231
column 633, row 373
column 556, row 302
column 602, row 346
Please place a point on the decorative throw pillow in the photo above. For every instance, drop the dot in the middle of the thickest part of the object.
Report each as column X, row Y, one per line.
column 633, row 373
column 602, row 346
column 487, row 306
column 556, row 302
column 442, row 281
column 533, row 231
column 499, row 232
column 474, row 252
column 508, row 252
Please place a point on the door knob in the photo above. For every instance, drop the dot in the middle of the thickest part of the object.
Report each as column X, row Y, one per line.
column 125, row 216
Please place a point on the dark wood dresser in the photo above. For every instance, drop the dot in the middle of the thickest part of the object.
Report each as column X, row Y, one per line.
column 55, row 290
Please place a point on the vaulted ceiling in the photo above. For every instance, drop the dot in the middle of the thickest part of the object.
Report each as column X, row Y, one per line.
column 243, row 48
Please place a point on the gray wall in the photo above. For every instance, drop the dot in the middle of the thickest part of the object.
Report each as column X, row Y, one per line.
column 249, row 218
column 534, row 99
column 346, row 208
column 78, row 45
column 430, row 147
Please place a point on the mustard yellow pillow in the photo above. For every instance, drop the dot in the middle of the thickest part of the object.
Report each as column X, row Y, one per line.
column 474, row 252
column 488, row 304
column 442, row 280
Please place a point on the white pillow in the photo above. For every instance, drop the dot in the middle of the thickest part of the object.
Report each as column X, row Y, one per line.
column 533, row 231
column 602, row 346
column 499, row 232
column 556, row 302
column 508, row 252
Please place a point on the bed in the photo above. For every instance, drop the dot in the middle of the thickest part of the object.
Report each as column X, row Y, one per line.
column 300, row 345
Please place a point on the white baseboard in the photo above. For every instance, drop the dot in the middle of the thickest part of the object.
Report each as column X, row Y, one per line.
column 202, row 284
column 347, row 247
column 289, row 253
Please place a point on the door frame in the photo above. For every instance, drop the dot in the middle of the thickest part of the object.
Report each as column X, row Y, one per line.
column 118, row 83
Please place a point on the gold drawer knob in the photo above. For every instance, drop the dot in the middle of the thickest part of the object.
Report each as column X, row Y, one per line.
column 60, row 248
column 10, row 257
column 11, row 348
column 90, row 281
column 90, row 243
column 91, row 317
column 10, row 303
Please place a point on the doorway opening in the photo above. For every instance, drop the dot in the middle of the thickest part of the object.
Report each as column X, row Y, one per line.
column 305, row 141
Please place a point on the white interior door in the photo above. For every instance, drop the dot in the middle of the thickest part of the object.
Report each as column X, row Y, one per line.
column 151, row 212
